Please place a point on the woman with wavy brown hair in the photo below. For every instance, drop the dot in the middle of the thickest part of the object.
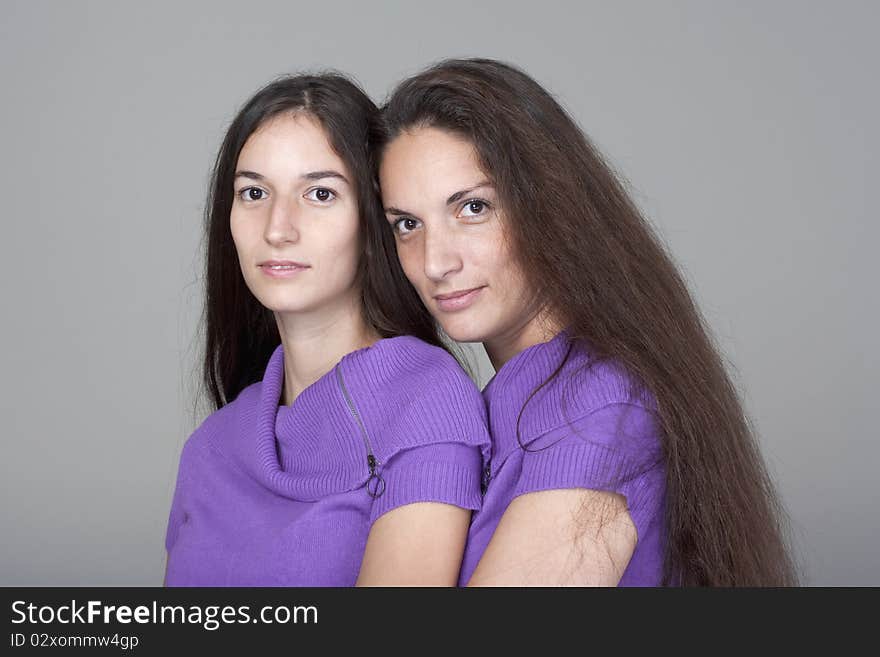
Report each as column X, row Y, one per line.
column 621, row 453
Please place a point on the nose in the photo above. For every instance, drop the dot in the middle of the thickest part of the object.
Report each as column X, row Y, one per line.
column 281, row 224
column 442, row 256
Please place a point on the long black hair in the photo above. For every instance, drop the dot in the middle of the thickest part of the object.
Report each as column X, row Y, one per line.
column 241, row 333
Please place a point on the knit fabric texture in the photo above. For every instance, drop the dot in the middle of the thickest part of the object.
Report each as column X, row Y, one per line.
column 274, row 495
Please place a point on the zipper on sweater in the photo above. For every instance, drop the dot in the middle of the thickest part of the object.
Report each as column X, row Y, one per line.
column 375, row 484
column 487, row 471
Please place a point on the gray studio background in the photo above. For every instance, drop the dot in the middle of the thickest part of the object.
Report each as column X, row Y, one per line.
column 748, row 132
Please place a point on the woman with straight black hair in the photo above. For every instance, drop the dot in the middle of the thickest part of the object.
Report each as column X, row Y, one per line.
column 347, row 445
column 621, row 454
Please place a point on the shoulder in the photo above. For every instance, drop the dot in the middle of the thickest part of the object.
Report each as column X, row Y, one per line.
column 406, row 354
column 411, row 393
column 600, row 401
column 592, row 383
column 408, row 367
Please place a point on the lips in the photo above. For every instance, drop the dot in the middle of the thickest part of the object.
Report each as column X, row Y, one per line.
column 281, row 268
column 458, row 300
column 279, row 264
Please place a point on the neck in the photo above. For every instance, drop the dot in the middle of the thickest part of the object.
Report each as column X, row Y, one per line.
column 314, row 342
column 537, row 327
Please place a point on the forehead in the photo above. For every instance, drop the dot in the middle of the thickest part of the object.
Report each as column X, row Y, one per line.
column 291, row 143
column 427, row 165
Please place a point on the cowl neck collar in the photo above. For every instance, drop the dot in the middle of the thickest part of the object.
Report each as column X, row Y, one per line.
column 311, row 448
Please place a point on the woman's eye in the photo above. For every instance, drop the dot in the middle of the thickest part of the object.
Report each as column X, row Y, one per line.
column 474, row 208
column 252, row 194
column 320, row 194
column 406, row 225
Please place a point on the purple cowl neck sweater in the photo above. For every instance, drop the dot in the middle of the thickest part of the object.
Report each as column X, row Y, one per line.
column 271, row 495
column 586, row 429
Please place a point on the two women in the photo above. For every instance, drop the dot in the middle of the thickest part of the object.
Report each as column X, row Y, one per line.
column 619, row 451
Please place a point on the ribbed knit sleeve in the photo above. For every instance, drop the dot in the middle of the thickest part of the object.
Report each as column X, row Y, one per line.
column 410, row 393
column 425, row 421
column 442, row 472
column 614, row 448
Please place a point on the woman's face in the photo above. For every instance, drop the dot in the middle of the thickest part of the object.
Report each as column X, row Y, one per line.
column 294, row 219
column 450, row 234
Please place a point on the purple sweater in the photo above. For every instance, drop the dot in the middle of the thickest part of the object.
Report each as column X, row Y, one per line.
column 271, row 495
column 583, row 430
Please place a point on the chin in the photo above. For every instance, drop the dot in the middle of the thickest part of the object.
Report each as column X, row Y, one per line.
column 462, row 330
column 284, row 304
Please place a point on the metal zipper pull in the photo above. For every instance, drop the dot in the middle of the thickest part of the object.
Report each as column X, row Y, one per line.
column 378, row 486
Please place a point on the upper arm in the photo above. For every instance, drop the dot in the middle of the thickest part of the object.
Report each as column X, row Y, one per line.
column 575, row 537
column 582, row 497
column 420, row 522
column 419, row 544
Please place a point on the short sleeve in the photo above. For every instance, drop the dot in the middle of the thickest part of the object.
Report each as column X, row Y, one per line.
column 411, row 394
column 615, row 448
column 439, row 472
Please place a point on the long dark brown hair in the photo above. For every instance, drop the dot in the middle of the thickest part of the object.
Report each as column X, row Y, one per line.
column 607, row 278
column 241, row 333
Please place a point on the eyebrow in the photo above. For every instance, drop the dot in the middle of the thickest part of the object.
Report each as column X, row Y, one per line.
column 459, row 195
column 311, row 175
column 454, row 198
column 327, row 173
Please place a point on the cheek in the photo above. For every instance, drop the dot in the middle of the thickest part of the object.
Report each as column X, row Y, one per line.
column 411, row 262
column 241, row 235
column 489, row 255
column 338, row 241
column 501, row 269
